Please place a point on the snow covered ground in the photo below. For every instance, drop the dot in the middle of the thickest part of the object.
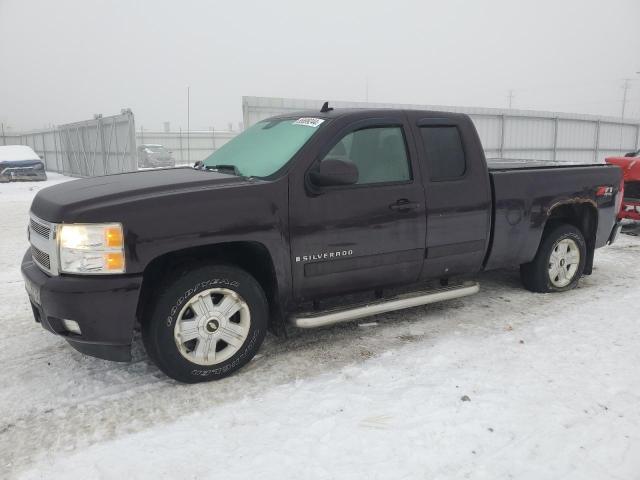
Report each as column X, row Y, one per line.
column 551, row 389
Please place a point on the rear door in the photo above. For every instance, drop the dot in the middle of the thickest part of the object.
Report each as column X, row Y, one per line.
column 457, row 191
column 361, row 236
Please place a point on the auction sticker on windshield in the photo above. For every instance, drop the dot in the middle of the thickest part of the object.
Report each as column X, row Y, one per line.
column 309, row 122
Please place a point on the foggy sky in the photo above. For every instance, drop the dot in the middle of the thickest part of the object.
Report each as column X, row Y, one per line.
column 63, row 61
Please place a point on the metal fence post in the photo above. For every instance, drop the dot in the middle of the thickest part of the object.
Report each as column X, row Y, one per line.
column 103, row 148
column 501, row 136
column 44, row 150
column 555, row 139
column 596, row 146
column 66, row 155
column 55, row 148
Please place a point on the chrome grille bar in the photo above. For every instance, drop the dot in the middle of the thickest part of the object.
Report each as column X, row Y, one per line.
column 40, row 229
column 41, row 258
column 44, row 251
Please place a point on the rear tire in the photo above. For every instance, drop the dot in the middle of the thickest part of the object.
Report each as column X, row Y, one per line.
column 559, row 262
column 206, row 323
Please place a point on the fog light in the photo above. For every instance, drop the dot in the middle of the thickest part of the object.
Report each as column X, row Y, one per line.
column 71, row 326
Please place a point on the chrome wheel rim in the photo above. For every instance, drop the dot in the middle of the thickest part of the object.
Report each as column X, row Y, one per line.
column 563, row 262
column 212, row 326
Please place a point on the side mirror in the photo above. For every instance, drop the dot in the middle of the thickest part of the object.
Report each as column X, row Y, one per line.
column 199, row 165
column 333, row 172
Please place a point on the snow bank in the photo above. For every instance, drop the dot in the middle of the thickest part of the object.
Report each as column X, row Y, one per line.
column 550, row 386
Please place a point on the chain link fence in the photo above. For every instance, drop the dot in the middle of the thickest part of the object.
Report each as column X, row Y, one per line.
column 187, row 147
column 106, row 145
column 100, row 146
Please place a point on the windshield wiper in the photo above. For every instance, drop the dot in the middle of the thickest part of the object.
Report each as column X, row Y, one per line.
column 232, row 169
column 224, row 169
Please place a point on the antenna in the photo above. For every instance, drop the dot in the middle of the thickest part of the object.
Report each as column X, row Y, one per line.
column 325, row 108
column 625, row 88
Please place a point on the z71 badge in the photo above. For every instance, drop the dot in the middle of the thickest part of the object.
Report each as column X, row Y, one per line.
column 324, row 256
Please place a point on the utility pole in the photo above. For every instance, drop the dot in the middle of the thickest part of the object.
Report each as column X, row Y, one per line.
column 510, row 97
column 366, row 89
column 625, row 89
column 188, row 124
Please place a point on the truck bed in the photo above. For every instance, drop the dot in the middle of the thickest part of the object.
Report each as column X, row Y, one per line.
column 500, row 164
column 525, row 193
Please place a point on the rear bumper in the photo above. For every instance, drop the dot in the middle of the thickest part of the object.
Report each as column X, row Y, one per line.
column 104, row 308
column 615, row 231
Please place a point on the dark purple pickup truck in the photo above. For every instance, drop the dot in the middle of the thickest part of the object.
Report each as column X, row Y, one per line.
column 303, row 220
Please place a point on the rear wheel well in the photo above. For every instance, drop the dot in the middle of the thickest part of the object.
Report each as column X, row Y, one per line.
column 253, row 257
column 583, row 216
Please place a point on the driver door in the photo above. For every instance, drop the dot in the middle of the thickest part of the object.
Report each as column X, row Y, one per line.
column 362, row 236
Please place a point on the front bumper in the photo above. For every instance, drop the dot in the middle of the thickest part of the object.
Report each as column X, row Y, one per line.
column 104, row 308
column 630, row 209
column 22, row 175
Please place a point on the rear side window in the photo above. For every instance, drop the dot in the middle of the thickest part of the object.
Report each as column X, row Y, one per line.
column 445, row 155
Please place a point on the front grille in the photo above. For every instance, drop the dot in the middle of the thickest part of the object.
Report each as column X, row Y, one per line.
column 632, row 190
column 43, row 244
column 40, row 257
column 42, row 230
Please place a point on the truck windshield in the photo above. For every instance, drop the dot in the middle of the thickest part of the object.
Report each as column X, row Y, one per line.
column 264, row 148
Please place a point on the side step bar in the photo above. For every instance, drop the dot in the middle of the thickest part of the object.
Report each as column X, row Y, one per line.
column 400, row 302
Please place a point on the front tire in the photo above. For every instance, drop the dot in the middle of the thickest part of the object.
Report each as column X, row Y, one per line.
column 559, row 262
column 206, row 323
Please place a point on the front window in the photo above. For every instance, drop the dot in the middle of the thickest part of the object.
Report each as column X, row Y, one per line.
column 267, row 146
column 379, row 153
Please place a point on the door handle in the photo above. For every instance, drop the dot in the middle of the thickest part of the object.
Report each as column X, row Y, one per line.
column 404, row 205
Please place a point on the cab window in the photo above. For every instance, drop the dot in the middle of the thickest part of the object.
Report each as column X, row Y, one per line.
column 380, row 153
column 445, row 154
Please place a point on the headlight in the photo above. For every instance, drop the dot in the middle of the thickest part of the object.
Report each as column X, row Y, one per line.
column 91, row 248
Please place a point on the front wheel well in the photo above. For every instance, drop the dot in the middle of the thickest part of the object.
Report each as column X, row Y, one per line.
column 583, row 216
column 253, row 257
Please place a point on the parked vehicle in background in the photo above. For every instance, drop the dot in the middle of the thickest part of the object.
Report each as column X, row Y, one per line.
column 151, row 155
column 630, row 208
column 19, row 163
column 312, row 218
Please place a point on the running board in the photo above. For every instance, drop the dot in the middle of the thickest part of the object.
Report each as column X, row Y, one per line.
column 400, row 302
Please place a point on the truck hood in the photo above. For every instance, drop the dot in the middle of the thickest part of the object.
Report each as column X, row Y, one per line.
column 61, row 203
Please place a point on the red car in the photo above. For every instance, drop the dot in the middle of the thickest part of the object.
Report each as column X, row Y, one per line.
column 630, row 208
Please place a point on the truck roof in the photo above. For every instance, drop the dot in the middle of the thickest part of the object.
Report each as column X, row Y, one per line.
column 365, row 112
